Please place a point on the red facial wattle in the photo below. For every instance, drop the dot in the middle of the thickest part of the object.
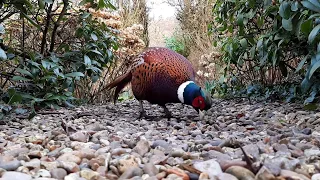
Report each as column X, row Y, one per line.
column 198, row 102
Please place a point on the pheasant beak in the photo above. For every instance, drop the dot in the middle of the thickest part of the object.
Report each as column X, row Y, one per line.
column 201, row 114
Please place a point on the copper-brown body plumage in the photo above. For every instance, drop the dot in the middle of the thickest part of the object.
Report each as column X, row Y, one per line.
column 155, row 76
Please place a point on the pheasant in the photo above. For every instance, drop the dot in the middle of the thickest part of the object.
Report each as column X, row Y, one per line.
column 161, row 76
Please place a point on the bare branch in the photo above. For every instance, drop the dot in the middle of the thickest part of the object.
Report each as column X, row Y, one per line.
column 45, row 32
column 57, row 23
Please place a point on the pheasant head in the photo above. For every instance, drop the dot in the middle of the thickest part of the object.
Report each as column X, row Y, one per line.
column 192, row 94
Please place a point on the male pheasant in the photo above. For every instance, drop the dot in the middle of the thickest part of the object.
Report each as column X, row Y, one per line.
column 161, row 76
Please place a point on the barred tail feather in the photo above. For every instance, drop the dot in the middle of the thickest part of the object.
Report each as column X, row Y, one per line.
column 119, row 83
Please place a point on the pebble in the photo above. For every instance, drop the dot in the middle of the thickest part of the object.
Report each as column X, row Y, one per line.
column 58, row 173
column 240, row 173
column 142, row 147
column 211, row 167
column 131, row 172
column 11, row 165
column 10, row 175
column 150, row 169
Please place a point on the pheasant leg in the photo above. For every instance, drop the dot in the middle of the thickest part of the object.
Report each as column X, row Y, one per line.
column 167, row 112
column 142, row 111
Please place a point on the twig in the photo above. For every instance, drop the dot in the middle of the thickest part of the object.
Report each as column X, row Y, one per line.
column 44, row 37
column 57, row 23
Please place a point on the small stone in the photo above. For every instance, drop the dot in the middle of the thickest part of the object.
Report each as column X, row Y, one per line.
column 17, row 151
column 315, row 177
column 69, row 157
column 225, row 176
column 264, row 174
column 70, row 167
column 292, row 175
column 102, row 170
column 72, row 176
column 177, row 152
column 36, row 154
column 180, row 173
column 277, row 163
column 89, row 174
column 204, row 176
column 212, row 154
column 131, row 172
column 173, row 177
column 193, row 176
column 43, row 173
column 10, row 175
column 150, row 169
column 79, row 136
column 312, row 152
column 33, row 163
column 162, row 143
column 306, row 131
column 23, row 157
column 142, row 147
column 58, row 173
column 126, row 163
column 240, row 173
column 161, row 175
column 11, row 165
column 2, row 171
column 253, row 150
column 211, row 167
column 49, row 165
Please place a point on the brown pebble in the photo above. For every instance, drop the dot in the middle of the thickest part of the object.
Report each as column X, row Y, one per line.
column 161, row 175
column 240, row 172
column 178, row 172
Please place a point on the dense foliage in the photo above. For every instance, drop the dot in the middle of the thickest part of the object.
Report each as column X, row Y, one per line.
column 47, row 46
column 177, row 43
column 269, row 45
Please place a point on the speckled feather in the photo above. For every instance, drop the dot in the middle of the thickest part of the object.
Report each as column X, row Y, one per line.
column 157, row 74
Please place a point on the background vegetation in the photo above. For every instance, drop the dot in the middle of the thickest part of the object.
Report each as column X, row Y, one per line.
column 57, row 52
column 266, row 49
column 62, row 52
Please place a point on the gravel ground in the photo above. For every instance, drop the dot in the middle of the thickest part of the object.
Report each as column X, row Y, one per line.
column 236, row 140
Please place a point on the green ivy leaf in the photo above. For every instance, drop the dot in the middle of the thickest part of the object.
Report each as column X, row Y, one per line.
column 25, row 72
column 244, row 43
column 315, row 65
column 302, row 62
column 306, row 27
column 14, row 96
column 240, row 20
column 285, row 10
column 313, row 34
column 3, row 55
column 312, row 5
column 294, row 6
column 87, row 60
column 94, row 37
column 75, row 74
column 274, row 58
column 19, row 78
column 287, row 24
column 97, row 52
column 41, row 4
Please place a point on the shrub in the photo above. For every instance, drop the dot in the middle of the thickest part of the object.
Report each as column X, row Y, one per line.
column 270, row 42
column 49, row 47
column 177, row 43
